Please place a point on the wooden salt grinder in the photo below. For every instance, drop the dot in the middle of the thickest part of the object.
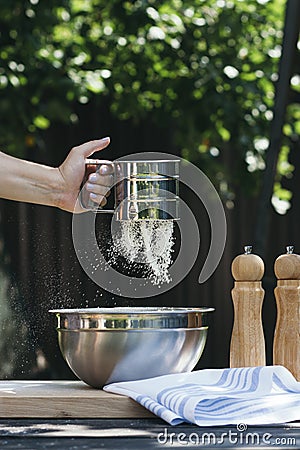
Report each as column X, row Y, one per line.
column 286, row 344
column 247, row 347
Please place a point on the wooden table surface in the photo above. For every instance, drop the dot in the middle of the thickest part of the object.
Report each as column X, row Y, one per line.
column 68, row 415
column 63, row 399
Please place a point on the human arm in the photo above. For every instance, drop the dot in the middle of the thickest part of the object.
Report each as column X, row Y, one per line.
column 36, row 183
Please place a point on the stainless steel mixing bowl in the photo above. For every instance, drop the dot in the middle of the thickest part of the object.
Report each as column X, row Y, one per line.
column 107, row 345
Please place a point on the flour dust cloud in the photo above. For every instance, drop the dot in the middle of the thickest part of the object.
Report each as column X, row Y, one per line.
column 148, row 243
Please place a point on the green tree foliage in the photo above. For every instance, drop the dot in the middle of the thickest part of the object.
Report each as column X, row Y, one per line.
column 205, row 69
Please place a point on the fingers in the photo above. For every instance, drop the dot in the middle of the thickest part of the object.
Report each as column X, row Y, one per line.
column 105, row 180
column 98, row 186
column 88, row 148
column 106, row 169
column 99, row 199
column 99, row 183
column 97, row 189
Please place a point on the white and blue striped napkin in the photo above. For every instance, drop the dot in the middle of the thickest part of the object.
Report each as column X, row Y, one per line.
column 250, row 395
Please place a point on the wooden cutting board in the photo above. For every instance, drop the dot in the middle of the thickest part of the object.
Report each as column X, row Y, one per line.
column 63, row 399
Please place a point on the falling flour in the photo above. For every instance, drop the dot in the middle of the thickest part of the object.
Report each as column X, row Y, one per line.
column 146, row 242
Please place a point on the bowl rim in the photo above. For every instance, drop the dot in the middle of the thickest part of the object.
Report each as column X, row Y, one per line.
column 128, row 318
column 135, row 310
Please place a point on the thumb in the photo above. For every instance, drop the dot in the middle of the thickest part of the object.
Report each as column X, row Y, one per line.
column 88, row 148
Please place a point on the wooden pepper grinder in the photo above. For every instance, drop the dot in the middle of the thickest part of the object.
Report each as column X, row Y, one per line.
column 286, row 345
column 247, row 347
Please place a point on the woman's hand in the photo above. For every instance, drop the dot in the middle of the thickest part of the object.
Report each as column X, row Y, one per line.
column 72, row 171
